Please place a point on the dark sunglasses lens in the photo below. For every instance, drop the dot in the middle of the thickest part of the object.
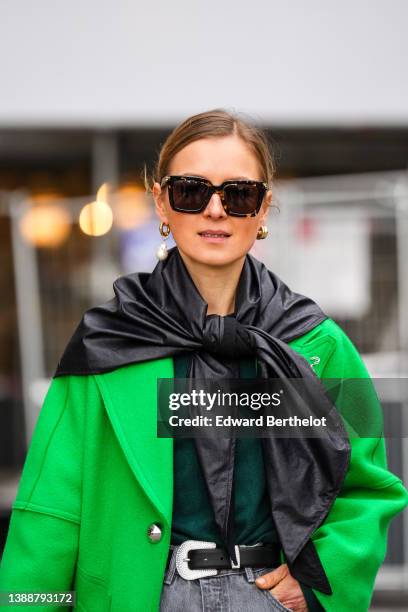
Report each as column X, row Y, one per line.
column 189, row 195
column 242, row 199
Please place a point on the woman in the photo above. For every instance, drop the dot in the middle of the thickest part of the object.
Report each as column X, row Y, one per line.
column 134, row 521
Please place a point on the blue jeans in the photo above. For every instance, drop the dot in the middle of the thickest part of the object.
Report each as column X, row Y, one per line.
column 231, row 590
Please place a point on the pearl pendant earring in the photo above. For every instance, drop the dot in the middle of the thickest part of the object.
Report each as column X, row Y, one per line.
column 162, row 252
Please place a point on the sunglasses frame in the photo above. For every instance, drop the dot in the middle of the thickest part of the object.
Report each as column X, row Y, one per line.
column 219, row 189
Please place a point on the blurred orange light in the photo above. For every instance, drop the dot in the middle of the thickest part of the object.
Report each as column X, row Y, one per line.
column 96, row 218
column 46, row 225
column 44, row 197
column 131, row 206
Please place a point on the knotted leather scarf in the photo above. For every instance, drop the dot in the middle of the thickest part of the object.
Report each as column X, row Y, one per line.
column 160, row 314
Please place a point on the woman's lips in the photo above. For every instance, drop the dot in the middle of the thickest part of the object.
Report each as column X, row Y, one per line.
column 209, row 236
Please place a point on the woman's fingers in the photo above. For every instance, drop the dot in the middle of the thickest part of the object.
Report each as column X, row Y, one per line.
column 284, row 588
column 289, row 593
column 271, row 579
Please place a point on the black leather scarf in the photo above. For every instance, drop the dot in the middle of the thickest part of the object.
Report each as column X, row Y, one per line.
column 160, row 314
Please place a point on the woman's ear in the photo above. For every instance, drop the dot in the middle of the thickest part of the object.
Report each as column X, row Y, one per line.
column 267, row 202
column 160, row 205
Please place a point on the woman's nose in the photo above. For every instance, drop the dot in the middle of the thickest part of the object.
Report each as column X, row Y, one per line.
column 214, row 207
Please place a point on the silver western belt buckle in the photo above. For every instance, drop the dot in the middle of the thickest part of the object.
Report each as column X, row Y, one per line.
column 182, row 560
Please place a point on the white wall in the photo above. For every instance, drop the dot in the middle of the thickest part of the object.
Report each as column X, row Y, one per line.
column 124, row 62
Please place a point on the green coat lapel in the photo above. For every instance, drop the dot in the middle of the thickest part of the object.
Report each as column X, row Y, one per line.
column 130, row 397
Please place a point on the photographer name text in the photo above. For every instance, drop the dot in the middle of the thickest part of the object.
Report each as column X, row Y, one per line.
column 260, row 421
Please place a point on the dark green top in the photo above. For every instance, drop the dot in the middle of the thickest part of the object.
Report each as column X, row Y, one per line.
column 193, row 517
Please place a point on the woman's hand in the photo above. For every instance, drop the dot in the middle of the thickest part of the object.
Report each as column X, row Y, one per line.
column 284, row 587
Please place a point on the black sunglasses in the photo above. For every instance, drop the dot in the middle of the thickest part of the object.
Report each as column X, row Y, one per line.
column 191, row 194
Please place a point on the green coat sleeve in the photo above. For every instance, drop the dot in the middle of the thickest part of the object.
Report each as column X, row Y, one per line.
column 42, row 541
column 352, row 541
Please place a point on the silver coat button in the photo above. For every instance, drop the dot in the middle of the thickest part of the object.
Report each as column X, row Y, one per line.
column 154, row 532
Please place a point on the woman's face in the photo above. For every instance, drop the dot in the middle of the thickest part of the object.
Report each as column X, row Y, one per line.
column 217, row 159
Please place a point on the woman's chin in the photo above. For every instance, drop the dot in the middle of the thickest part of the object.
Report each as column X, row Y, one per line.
column 216, row 257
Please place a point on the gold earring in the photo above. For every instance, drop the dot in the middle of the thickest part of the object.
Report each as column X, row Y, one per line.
column 162, row 249
column 262, row 232
column 164, row 232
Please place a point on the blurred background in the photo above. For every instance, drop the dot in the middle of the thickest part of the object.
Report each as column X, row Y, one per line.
column 89, row 92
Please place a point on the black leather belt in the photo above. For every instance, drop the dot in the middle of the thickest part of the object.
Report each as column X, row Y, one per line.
column 267, row 555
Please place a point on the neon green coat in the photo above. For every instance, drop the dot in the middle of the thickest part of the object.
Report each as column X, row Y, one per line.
column 96, row 477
